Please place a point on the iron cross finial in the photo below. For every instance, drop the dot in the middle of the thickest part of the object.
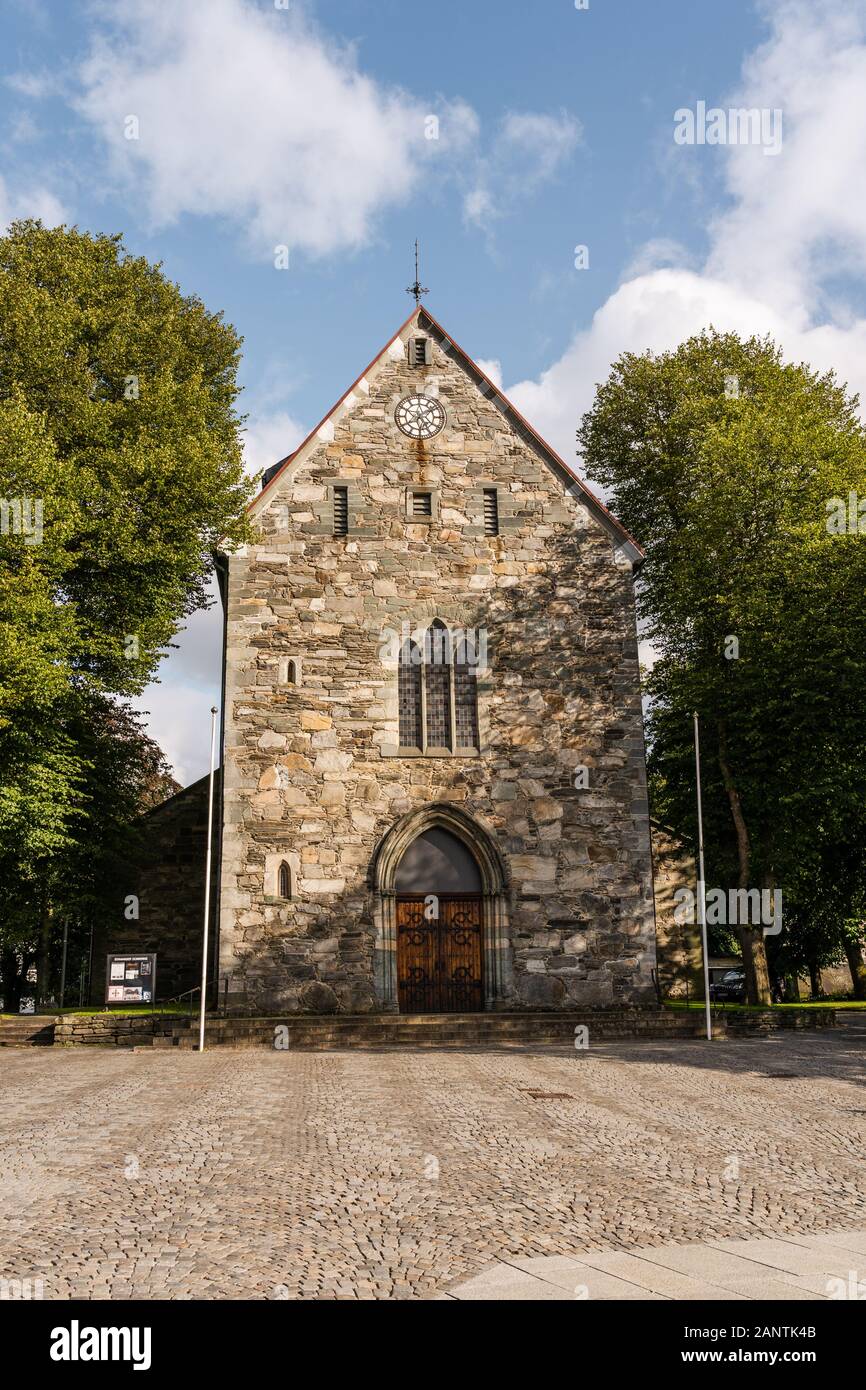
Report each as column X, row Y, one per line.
column 417, row 289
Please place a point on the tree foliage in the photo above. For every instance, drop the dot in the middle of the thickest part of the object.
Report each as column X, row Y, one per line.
column 723, row 461
column 120, row 474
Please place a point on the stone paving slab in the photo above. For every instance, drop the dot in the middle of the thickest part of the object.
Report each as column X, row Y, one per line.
column 578, row 1277
column 852, row 1241
column 655, row 1278
column 401, row 1175
column 722, row 1270
column 805, row 1257
column 504, row 1282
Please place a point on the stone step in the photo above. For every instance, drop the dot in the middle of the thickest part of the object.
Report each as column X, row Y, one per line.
column 307, row 1032
column 27, row 1030
column 432, row 1030
column 500, row 1022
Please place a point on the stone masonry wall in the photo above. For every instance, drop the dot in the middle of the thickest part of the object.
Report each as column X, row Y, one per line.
column 678, row 944
column 167, row 877
column 312, row 772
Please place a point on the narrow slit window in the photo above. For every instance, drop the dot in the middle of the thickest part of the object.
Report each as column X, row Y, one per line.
column 422, row 505
column 284, row 881
column 291, row 674
column 491, row 512
column 341, row 511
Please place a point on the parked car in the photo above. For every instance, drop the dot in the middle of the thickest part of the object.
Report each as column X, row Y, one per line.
column 730, row 989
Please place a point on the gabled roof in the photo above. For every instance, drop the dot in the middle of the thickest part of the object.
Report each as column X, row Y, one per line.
column 497, row 397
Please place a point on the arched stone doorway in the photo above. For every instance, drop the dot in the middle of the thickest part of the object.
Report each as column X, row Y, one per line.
column 439, row 945
column 441, row 915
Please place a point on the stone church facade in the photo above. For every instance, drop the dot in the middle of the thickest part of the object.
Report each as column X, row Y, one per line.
column 434, row 774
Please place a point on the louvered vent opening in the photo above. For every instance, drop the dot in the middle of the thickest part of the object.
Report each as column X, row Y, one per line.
column 491, row 512
column 420, row 352
column 422, row 504
column 341, row 511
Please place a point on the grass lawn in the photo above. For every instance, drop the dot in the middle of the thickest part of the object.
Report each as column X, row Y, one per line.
column 183, row 1009
column 803, row 1004
column 134, row 1009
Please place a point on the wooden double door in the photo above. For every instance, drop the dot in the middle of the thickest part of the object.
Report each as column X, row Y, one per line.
column 439, row 954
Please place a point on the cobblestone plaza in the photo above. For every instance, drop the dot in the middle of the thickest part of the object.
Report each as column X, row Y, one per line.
column 391, row 1174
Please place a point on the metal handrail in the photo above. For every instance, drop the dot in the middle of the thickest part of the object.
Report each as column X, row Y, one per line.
column 188, row 993
column 177, row 999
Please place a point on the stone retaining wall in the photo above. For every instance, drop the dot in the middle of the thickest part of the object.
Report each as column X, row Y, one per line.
column 343, row 1030
column 748, row 1023
column 113, row 1030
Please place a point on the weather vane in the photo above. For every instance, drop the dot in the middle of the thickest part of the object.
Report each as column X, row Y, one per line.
column 417, row 289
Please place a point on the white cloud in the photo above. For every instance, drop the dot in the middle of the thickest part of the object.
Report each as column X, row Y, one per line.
column 654, row 311
column 246, row 112
column 546, row 141
column 479, row 206
column 802, row 215
column 176, row 707
column 792, row 222
column 36, row 85
column 661, row 251
column 269, row 438
column 492, row 367
column 177, row 716
column 250, row 114
column 529, row 149
column 22, row 129
column 647, row 655
column 195, row 654
column 29, row 201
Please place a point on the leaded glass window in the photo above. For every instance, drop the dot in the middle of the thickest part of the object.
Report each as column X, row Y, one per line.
column 437, row 685
column 409, row 695
column 465, row 695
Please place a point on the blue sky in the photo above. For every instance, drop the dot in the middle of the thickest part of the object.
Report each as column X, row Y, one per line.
column 308, row 126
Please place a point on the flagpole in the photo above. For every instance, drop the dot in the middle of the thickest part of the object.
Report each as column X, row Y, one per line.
column 213, row 719
column 702, row 886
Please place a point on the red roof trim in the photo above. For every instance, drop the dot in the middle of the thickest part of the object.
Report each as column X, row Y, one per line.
column 325, row 418
column 594, row 501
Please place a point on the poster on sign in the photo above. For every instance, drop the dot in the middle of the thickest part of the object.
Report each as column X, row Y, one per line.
column 130, row 979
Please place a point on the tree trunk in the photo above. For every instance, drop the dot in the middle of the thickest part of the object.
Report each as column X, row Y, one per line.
column 11, row 981
column 815, row 979
column 751, row 942
column 857, row 966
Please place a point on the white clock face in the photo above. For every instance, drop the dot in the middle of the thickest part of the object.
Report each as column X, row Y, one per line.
column 419, row 416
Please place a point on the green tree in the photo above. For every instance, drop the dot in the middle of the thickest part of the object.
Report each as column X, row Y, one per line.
column 121, row 773
column 120, row 474
column 825, row 921
column 133, row 386
column 724, row 462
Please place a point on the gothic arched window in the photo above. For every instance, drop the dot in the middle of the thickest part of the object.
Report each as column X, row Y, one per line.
column 284, row 881
column 291, row 674
column 438, row 695
column 409, row 695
